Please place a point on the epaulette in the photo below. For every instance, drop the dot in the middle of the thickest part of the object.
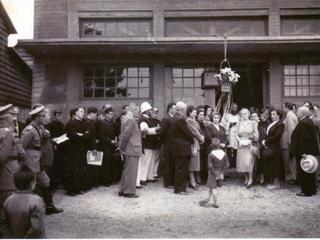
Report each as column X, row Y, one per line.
column 29, row 127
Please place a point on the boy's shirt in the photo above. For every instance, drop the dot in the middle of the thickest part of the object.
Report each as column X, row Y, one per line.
column 23, row 216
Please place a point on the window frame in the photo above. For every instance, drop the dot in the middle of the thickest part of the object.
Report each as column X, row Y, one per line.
column 116, row 66
column 296, row 85
column 117, row 21
column 297, row 18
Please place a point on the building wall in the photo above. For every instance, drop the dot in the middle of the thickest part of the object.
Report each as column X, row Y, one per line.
column 15, row 75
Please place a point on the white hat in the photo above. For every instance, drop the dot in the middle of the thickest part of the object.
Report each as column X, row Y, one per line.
column 36, row 110
column 3, row 109
column 145, row 106
column 309, row 164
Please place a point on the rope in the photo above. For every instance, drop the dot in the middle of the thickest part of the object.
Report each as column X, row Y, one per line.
column 225, row 44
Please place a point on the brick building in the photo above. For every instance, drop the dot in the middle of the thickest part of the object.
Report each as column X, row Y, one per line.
column 116, row 51
column 15, row 74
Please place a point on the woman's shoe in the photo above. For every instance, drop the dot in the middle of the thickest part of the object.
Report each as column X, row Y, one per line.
column 249, row 185
column 193, row 186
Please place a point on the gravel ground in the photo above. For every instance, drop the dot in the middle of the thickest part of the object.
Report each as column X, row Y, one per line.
column 158, row 213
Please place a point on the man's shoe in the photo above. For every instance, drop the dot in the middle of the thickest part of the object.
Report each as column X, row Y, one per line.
column 301, row 194
column 139, row 187
column 170, row 187
column 143, row 182
column 130, row 195
column 152, row 180
column 120, row 194
column 182, row 193
column 53, row 210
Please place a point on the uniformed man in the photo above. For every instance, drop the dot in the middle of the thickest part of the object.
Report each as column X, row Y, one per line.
column 10, row 152
column 32, row 137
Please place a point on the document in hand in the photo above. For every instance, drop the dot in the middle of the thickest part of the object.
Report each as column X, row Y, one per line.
column 61, row 139
column 94, row 159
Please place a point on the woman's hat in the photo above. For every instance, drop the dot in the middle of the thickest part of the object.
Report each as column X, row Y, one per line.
column 309, row 164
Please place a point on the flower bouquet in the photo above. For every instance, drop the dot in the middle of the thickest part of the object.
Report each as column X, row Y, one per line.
column 226, row 75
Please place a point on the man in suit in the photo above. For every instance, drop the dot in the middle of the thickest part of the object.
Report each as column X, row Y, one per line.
column 130, row 147
column 165, row 139
column 182, row 139
column 304, row 141
column 290, row 123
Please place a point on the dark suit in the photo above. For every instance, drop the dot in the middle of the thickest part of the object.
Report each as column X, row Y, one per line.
column 167, row 158
column 182, row 139
column 304, row 141
column 273, row 142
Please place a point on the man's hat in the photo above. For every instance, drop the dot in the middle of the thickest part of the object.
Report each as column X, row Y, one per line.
column 309, row 164
column 145, row 106
column 37, row 110
column 5, row 108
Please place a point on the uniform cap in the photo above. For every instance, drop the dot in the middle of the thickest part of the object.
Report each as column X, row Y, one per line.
column 36, row 110
column 3, row 109
column 145, row 106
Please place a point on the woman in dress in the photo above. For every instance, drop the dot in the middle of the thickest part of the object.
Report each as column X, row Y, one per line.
column 194, row 166
column 247, row 132
column 273, row 142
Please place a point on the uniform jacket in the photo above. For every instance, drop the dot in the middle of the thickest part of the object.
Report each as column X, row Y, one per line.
column 273, row 138
column 290, row 123
column 182, row 137
column 23, row 216
column 31, row 141
column 130, row 137
column 304, row 139
column 46, row 159
column 9, row 155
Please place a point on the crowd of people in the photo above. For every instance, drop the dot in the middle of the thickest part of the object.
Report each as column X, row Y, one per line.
column 190, row 146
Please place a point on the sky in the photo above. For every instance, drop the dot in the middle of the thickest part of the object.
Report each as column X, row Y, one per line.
column 21, row 15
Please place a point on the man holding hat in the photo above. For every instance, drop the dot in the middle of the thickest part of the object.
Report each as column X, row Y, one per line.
column 149, row 130
column 10, row 153
column 304, row 141
column 32, row 137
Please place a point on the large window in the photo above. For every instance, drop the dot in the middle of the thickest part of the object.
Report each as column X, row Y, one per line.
column 186, row 84
column 127, row 82
column 241, row 26
column 301, row 80
column 115, row 28
column 300, row 25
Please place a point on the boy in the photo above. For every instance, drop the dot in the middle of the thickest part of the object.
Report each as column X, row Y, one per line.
column 24, row 210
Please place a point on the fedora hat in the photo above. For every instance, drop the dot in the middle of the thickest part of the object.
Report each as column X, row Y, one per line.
column 309, row 164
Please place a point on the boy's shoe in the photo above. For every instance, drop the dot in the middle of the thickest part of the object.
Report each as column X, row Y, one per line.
column 53, row 210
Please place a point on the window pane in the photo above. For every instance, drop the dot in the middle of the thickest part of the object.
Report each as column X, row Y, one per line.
column 304, row 25
column 145, row 29
column 314, row 80
column 302, row 70
column 286, row 92
column 144, row 92
column 286, row 81
column 143, row 82
column 144, row 72
column 132, row 82
column 110, row 82
column 302, row 80
column 98, row 92
column 99, row 29
column 188, row 92
column 111, row 29
column 302, row 91
column 289, row 70
column 133, row 92
column 110, row 92
column 122, row 82
column 188, row 82
column 132, row 72
column 88, row 92
column 122, row 29
column 187, row 72
column 122, row 92
column 293, row 91
column 177, row 82
column 314, row 69
column 88, row 83
column 198, row 72
column 99, row 83
column 315, row 91
column 133, row 29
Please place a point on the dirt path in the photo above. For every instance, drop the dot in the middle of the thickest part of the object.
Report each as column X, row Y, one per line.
column 159, row 213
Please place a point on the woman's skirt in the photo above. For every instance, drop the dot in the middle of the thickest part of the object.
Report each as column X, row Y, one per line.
column 245, row 160
column 194, row 164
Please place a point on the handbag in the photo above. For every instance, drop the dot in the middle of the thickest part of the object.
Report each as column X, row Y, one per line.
column 254, row 150
column 267, row 154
